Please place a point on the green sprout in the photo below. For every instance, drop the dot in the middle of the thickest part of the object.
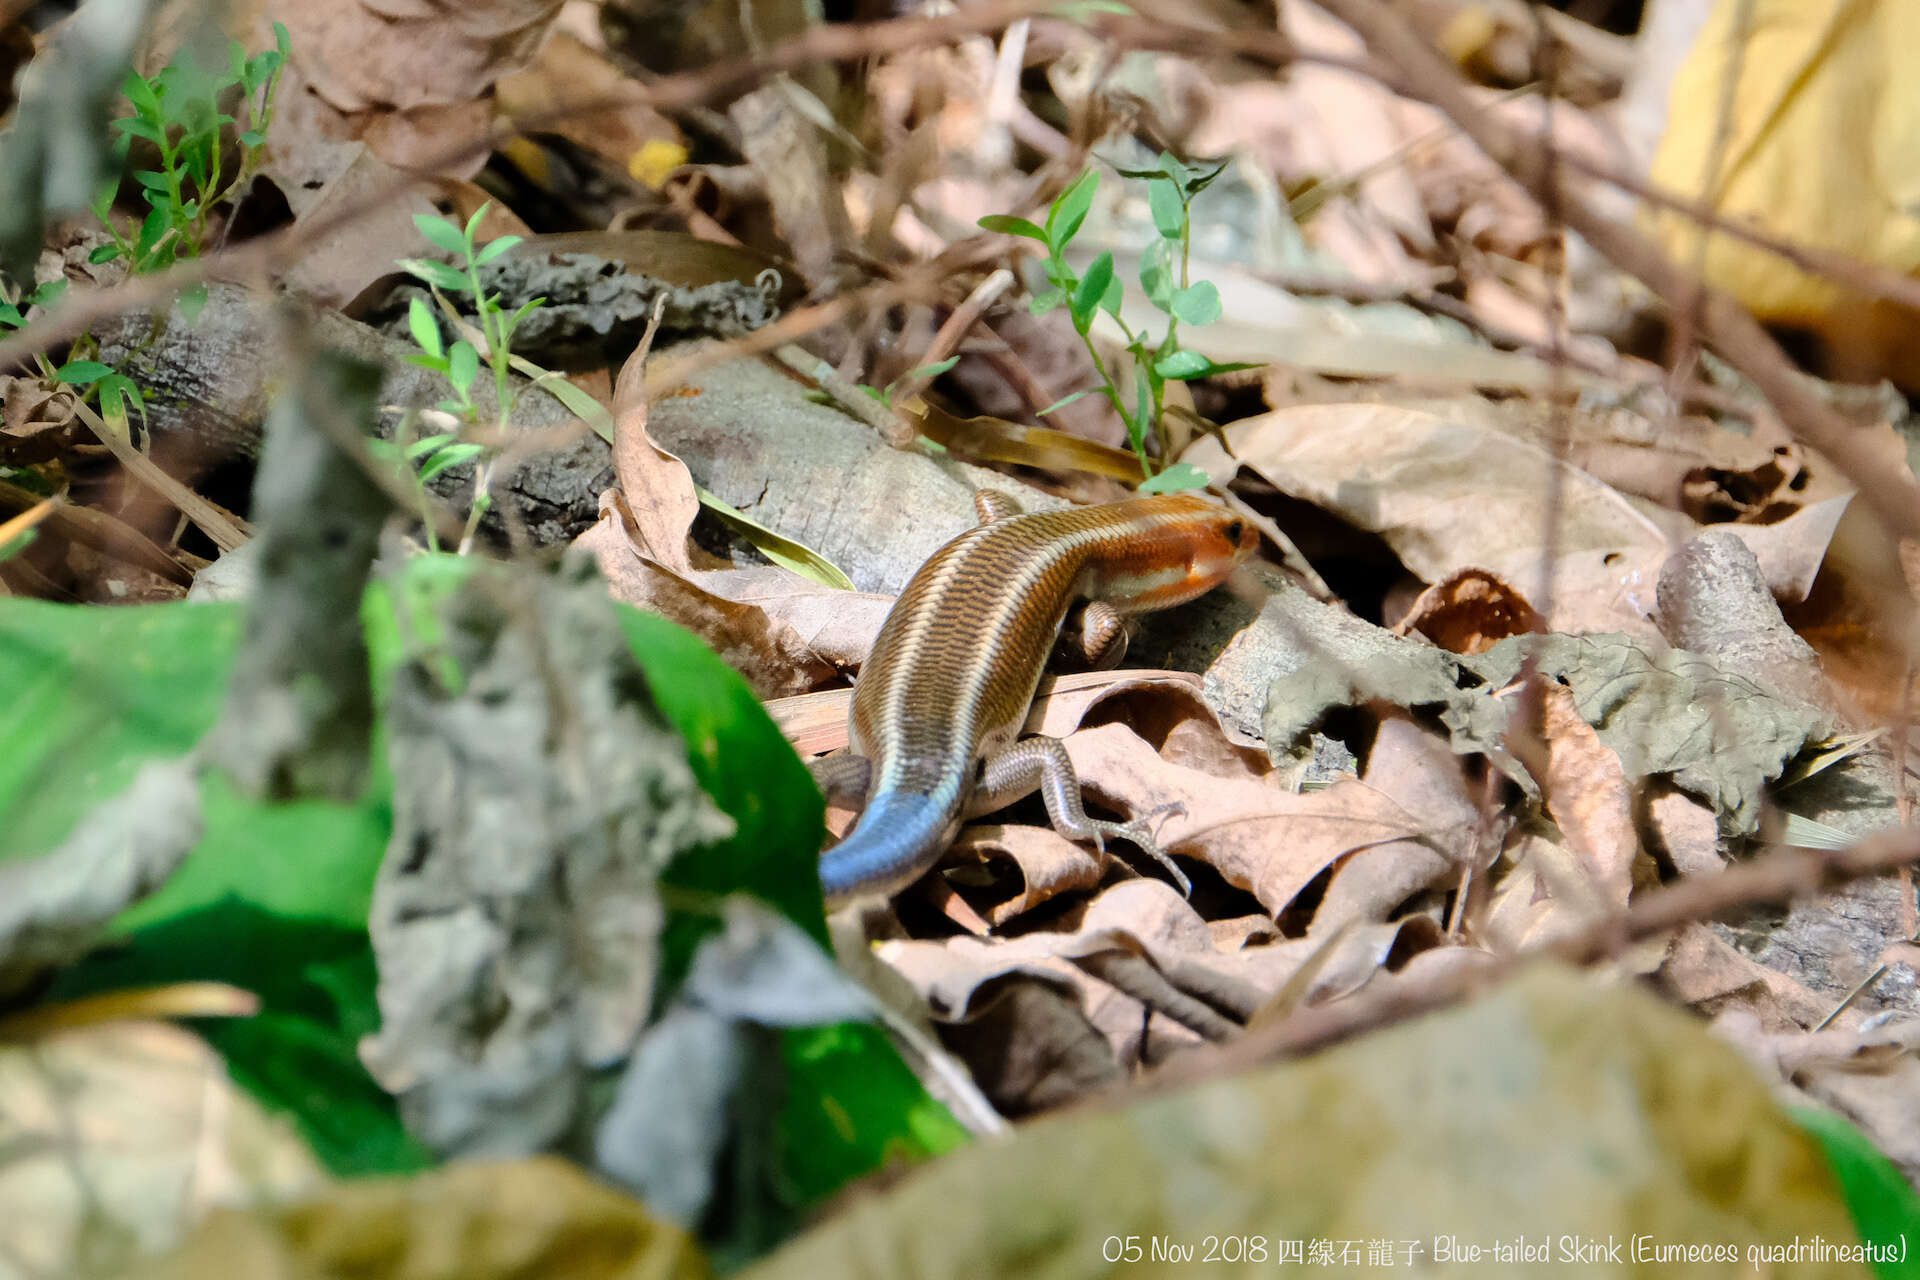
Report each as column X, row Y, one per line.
column 1165, row 276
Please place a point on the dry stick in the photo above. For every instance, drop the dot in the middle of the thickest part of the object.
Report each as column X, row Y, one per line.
column 1732, row 331
column 1779, row 877
column 947, row 340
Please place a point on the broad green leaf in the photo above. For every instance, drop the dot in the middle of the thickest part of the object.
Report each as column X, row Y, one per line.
column 1197, row 304
column 442, row 234
column 1169, row 214
column 1092, row 288
column 426, row 332
column 1198, row 182
column 473, row 224
column 81, row 373
column 139, row 128
column 1183, row 366
column 1047, row 301
column 141, row 94
column 1070, row 210
column 192, row 302
column 10, row 315
column 427, row 444
column 1885, row 1210
column 1007, row 224
column 88, row 694
column 104, row 253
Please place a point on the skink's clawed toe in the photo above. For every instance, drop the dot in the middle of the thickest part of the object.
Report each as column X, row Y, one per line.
column 1140, row 833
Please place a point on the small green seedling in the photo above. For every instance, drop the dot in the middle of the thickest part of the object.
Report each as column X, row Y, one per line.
column 1164, row 275
column 117, row 392
column 179, row 112
column 460, row 362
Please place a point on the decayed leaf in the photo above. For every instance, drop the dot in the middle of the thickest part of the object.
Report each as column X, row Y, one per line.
column 1702, row 969
column 1682, row 829
column 1662, row 1133
column 118, row 1137
column 319, row 177
column 1048, row 862
column 1448, row 496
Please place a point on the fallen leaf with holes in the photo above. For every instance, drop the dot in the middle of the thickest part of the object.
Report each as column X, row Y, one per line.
column 1447, row 495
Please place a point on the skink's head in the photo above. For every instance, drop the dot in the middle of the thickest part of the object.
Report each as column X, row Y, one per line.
column 1185, row 546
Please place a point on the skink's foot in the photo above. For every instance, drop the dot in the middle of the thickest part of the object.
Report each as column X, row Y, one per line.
column 1044, row 762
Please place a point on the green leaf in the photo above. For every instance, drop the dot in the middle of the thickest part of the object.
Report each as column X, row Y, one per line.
column 253, row 138
column 156, row 225
column 91, row 693
column 1007, row 224
column 1063, row 402
column 437, row 274
column 425, row 330
column 1197, row 304
column 81, row 373
column 19, row 542
column 436, row 363
column 463, row 365
column 935, row 369
column 1115, row 295
column 1047, row 301
column 1070, row 210
column 10, row 316
column 48, row 294
column 117, row 393
column 1093, row 287
column 1199, row 183
column 783, row 551
column 138, row 127
column 192, row 302
column 495, row 247
column 104, row 253
column 1081, row 10
column 1169, row 211
column 1885, row 1210
column 454, row 455
column 1184, row 366
column 473, row 223
column 154, row 181
column 1176, row 478
column 428, row 444
column 141, row 94
column 1160, row 272
column 441, row 233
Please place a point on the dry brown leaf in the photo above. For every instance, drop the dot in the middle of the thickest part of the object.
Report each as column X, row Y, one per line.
column 1703, row 970
column 775, row 659
column 1262, row 839
column 319, row 177
column 1544, row 896
column 1587, row 792
column 1415, row 769
column 1448, row 495
column 1049, row 864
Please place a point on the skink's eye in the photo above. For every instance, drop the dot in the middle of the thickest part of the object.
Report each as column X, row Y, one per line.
column 1236, row 530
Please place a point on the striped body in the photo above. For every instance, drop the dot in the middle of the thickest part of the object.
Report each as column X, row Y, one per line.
column 955, row 665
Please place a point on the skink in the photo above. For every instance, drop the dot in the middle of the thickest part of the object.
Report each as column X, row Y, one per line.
column 944, row 693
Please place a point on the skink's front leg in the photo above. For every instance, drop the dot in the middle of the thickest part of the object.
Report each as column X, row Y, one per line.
column 1044, row 763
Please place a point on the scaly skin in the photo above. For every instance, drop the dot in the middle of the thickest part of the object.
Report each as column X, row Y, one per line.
column 947, row 685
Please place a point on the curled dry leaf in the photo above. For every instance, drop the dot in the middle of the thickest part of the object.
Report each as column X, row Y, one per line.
column 1585, row 790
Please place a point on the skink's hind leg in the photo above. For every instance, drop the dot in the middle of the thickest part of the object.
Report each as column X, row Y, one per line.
column 1095, row 636
column 843, row 776
column 1044, row 763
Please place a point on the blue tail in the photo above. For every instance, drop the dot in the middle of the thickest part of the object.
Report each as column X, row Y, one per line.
column 897, row 838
